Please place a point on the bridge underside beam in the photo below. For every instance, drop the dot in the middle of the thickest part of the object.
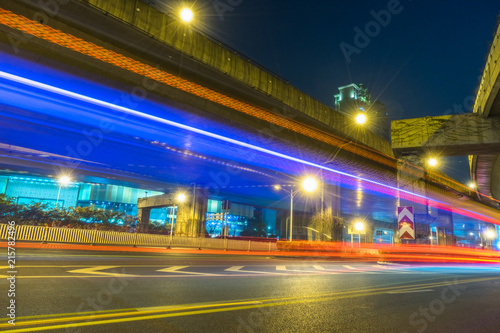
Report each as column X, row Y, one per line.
column 461, row 134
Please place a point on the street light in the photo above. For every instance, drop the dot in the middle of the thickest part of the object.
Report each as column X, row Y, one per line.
column 309, row 184
column 186, row 15
column 63, row 180
column 432, row 162
column 490, row 234
column 360, row 118
column 181, row 197
column 359, row 226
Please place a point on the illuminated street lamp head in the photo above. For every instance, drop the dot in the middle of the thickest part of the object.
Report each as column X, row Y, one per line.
column 277, row 187
column 64, row 180
column 472, row 185
column 360, row 118
column 432, row 162
column 309, row 184
column 186, row 15
column 359, row 226
column 490, row 234
column 181, row 197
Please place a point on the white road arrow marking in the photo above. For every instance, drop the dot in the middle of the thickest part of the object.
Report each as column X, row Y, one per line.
column 238, row 269
column 175, row 269
column 349, row 267
column 93, row 270
column 234, row 268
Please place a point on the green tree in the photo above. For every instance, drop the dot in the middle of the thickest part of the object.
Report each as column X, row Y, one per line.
column 107, row 216
column 89, row 214
column 36, row 213
column 327, row 226
column 60, row 217
column 9, row 210
column 130, row 220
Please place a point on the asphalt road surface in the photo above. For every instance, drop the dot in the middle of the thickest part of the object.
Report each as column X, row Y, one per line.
column 79, row 291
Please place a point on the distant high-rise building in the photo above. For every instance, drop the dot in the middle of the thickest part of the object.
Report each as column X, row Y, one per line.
column 353, row 99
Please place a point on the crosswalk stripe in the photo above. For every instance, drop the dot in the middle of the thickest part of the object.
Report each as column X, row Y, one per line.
column 281, row 268
column 320, row 268
column 349, row 267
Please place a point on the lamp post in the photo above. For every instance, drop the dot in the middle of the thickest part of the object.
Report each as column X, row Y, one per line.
column 181, row 197
column 63, row 180
column 390, row 236
column 309, row 184
column 360, row 119
column 359, row 226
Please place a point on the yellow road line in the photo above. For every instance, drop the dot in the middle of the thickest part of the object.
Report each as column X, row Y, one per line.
column 130, row 313
column 228, row 306
column 124, row 276
column 195, row 312
column 164, row 307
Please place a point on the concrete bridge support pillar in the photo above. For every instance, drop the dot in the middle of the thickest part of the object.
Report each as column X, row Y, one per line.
column 329, row 204
column 284, row 221
column 331, row 198
column 191, row 214
column 411, row 178
column 444, row 225
column 143, row 219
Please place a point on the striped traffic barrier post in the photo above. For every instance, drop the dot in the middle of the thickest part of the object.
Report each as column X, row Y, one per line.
column 94, row 238
column 135, row 239
column 46, row 231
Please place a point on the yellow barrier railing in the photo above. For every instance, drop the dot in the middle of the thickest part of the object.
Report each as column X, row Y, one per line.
column 99, row 237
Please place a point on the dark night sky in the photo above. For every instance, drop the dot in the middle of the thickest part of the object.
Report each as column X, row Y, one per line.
column 425, row 62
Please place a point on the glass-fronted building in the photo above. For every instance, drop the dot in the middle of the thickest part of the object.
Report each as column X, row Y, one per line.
column 25, row 189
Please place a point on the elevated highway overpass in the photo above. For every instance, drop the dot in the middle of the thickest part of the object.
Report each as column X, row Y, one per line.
column 476, row 134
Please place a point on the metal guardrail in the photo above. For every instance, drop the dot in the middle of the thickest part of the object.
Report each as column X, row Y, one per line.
column 99, row 237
